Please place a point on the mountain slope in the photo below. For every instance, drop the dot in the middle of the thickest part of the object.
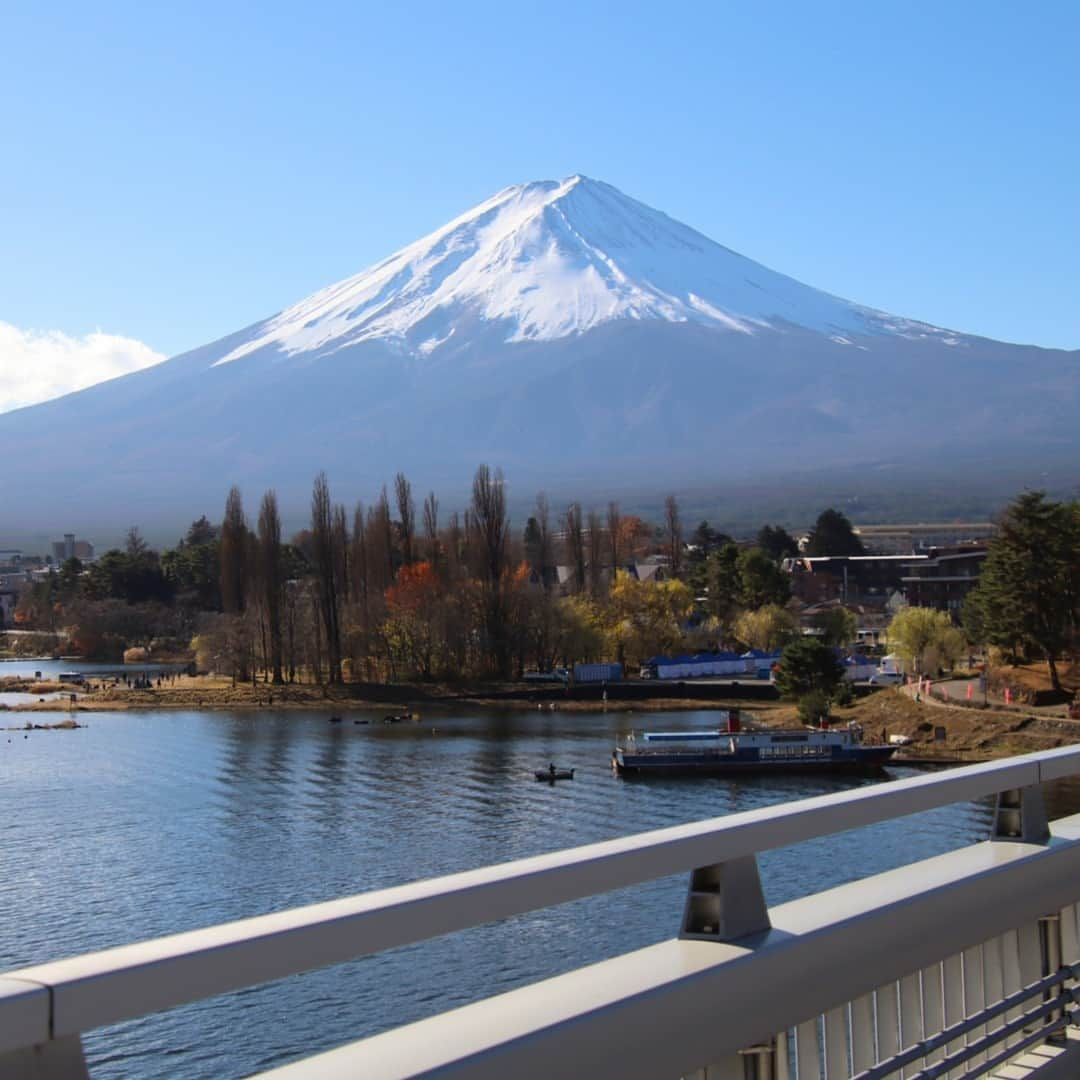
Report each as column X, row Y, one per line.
column 564, row 331
column 548, row 260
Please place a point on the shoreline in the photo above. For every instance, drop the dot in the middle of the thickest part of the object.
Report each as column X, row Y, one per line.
column 936, row 735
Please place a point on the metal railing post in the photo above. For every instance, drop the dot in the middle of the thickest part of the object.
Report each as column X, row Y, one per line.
column 58, row 1059
column 1020, row 814
column 725, row 901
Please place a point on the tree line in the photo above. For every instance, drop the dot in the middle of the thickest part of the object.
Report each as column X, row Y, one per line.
column 392, row 590
column 395, row 591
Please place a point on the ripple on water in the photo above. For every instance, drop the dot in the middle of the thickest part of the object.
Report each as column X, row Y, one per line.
column 144, row 824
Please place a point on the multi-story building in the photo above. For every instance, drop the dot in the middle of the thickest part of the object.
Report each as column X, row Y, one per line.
column 920, row 537
column 70, row 548
column 850, row 579
column 944, row 579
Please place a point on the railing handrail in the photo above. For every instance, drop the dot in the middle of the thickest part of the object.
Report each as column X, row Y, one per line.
column 128, row 981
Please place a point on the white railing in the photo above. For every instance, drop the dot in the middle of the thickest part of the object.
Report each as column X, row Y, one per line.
column 950, row 964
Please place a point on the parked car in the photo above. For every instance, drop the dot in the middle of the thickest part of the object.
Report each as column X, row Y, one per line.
column 886, row 678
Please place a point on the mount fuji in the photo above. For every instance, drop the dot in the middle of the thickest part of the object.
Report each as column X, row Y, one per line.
column 571, row 335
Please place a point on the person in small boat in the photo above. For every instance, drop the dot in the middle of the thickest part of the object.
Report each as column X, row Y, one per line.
column 551, row 768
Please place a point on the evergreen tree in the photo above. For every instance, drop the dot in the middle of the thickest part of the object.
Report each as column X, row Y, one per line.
column 838, row 626
column 1029, row 589
column 808, row 665
column 832, row 534
column 777, row 541
column 761, row 581
column 722, row 577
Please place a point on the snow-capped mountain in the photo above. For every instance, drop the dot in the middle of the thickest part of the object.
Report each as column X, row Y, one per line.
column 553, row 259
column 561, row 330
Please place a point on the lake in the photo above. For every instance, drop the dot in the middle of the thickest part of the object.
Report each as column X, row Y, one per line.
column 49, row 669
column 148, row 823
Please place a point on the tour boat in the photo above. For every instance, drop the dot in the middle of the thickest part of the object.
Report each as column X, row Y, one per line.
column 735, row 750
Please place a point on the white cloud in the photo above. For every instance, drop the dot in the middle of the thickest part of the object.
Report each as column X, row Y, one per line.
column 36, row 365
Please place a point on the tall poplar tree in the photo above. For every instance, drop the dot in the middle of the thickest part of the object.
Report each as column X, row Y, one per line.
column 574, row 543
column 271, row 578
column 673, row 524
column 327, row 572
column 491, row 526
column 234, row 569
column 406, row 516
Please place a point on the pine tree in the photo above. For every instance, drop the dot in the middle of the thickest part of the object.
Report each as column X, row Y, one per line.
column 832, row 534
column 1029, row 588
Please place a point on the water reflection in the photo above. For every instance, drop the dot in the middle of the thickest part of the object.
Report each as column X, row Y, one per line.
column 150, row 823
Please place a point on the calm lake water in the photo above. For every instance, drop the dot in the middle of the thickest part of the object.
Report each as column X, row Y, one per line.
column 144, row 824
column 49, row 669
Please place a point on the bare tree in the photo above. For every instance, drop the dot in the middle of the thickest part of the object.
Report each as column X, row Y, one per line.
column 380, row 540
column 453, row 548
column 574, row 543
column 270, row 578
column 545, row 547
column 341, row 555
column 406, row 516
column 596, row 553
column 431, row 529
column 358, row 562
column 614, row 529
column 674, row 534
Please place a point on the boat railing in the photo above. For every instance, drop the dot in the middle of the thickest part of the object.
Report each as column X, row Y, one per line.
column 962, row 961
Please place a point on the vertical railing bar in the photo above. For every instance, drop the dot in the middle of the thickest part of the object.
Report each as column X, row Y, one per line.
column 863, row 1045
column 806, row 1051
column 782, row 1057
column 964, row 1027
column 993, row 978
column 974, row 998
column 888, row 1016
column 836, row 1058
column 981, row 1046
column 911, row 1030
column 1012, row 980
column 933, row 1006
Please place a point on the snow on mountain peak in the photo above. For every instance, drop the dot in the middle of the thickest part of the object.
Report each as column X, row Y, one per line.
column 550, row 259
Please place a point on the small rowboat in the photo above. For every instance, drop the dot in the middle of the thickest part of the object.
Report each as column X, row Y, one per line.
column 551, row 775
column 400, row 718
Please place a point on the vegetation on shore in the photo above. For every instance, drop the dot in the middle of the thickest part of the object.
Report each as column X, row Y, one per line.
column 394, row 597
column 388, row 593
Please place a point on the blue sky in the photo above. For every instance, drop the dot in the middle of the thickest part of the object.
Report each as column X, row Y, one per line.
column 169, row 173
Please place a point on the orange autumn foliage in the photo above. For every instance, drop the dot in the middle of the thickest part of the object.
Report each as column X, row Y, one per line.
column 416, row 587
